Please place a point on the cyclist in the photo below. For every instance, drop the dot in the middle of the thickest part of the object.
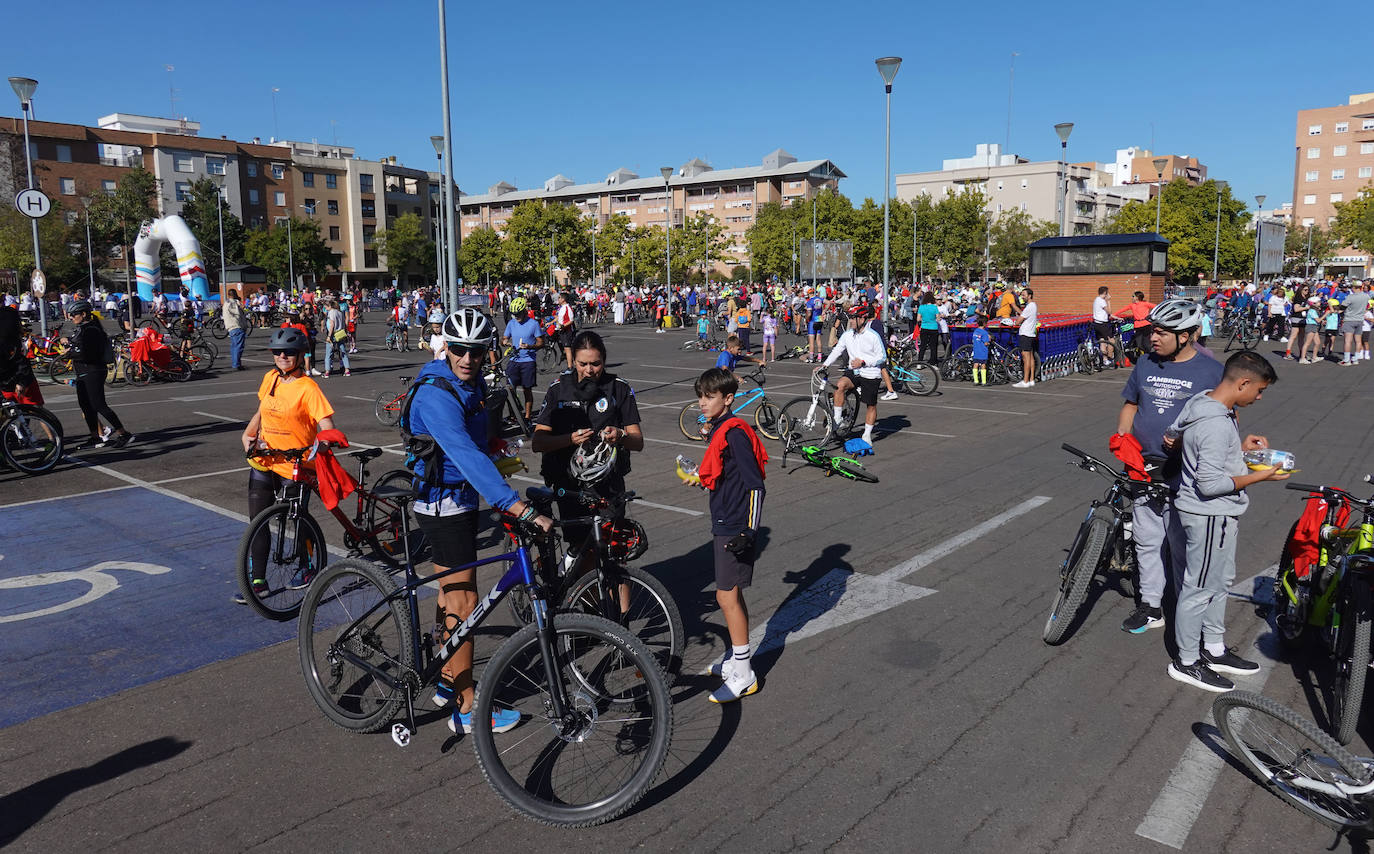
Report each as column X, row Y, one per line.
column 567, row 330
column 815, row 308
column 1160, row 383
column 447, row 405
column 522, row 332
column 1104, row 326
column 866, row 354
column 292, row 411
column 91, row 349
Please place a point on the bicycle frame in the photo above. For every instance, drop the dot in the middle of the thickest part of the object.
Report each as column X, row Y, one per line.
column 1356, row 539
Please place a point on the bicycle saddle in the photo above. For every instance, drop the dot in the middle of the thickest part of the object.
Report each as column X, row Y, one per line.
column 406, row 379
column 366, row 454
column 395, row 491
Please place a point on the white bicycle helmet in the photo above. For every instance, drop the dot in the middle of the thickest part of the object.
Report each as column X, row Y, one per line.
column 592, row 461
column 469, row 327
column 1177, row 315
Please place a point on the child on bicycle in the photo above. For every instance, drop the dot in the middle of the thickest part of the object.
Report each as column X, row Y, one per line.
column 1211, row 498
column 730, row 355
column 732, row 470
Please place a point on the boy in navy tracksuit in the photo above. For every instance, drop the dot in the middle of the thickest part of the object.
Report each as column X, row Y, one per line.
column 732, row 469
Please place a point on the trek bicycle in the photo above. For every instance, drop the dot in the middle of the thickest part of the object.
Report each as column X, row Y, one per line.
column 812, row 417
column 815, row 455
column 691, row 422
column 1330, row 599
column 595, row 715
column 30, row 437
column 1103, row 545
column 295, row 546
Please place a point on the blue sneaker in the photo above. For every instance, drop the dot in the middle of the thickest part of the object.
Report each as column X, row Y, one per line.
column 301, row 579
column 443, row 694
column 502, row 720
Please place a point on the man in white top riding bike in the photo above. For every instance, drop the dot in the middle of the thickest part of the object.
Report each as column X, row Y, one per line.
column 865, row 356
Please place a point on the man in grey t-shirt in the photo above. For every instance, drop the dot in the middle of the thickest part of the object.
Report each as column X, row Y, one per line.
column 1352, row 321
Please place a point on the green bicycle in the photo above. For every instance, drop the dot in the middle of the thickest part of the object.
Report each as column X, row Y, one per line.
column 817, row 456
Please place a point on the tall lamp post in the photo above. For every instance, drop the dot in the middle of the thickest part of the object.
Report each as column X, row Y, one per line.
column 450, row 227
column 1259, row 218
column 667, row 173
column 1216, row 238
column 23, row 87
column 887, row 67
column 1160, row 163
column 438, row 143
column 290, row 251
column 90, row 262
column 219, row 212
column 1063, row 129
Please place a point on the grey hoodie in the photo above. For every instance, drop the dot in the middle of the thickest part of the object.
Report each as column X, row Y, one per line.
column 1211, row 457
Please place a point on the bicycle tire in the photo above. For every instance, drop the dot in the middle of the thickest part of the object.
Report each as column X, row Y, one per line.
column 1290, row 619
column 61, row 369
column 517, row 413
column 766, row 419
column 138, row 373
column 1352, row 660
column 690, row 421
column 201, row 358
column 1084, row 558
column 383, row 519
column 304, row 554
column 536, row 766
column 177, row 370
column 550, row 357
column 811, row 427
column 1280, row 746
column 918, row 378
column 348, row 694
column 852, row 469
column 653, row 614
column 31, row 441
column 387, row 408
column 217, row 329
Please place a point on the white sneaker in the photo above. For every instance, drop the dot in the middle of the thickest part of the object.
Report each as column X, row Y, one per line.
column 736, row 686
column 889, row 395
column 723, row 668
column 1284, row 339
column 1031, row 383
column 1021, row 384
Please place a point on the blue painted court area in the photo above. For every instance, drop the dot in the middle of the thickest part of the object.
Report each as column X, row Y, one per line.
column 101, row 593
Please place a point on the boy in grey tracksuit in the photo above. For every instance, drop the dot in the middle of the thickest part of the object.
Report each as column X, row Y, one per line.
column 1210, row 500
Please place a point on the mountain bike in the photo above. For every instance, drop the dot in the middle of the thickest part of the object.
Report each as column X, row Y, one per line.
column 295, row 545
column 596, row 718
column 812, row 417
column 795, row 352
column 30, row 437
column 793, row 443
column 691, row 422
column 504, row 406
column 911, row 375
column 387, row 405
column 1241, row 331
column 1331, row 599
column 1104, row 543
column 1301, row 764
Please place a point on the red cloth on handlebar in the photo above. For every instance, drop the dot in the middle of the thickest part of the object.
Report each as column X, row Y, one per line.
column 1303, row 545
column 1126, row 448
column 711, row 462
column 334, row 437
column 333, row 483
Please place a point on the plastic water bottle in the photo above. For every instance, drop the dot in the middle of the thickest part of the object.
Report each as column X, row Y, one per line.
column 1270, row 458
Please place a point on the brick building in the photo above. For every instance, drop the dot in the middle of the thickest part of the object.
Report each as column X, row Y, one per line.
column 1333, row 163
column 1065, row 272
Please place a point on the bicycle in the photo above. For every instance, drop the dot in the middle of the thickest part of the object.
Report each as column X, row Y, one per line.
column 1104, row 543
column 1332, row 599
column 1240, row 329
column 812, row 416
column 1303, row 765
column 387, row 405
column 911, row 375
column 296, row 547
column 831, row 464
column 504, row 406
column 30, row 437
column 691, row 422
column 796, row 352
column 596, row 715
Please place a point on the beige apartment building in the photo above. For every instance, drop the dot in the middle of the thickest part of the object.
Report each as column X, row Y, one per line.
column 1334, row 162
column 732, row 196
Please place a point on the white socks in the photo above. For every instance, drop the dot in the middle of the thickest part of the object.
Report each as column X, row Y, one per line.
column 740, row 662
column 839, row 413
column 868, row 433
column 1216, row 649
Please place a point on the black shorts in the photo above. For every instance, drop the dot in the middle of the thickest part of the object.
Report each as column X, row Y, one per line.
column 566, row 336
column 1106, row 330
column 520, row 374
column 731, row 570
column 453, row 538
column 867, row 389
column 1027, row 343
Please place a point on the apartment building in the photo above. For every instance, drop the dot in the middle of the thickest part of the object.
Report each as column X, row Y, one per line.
column 732, row 196
column 1136, row 165
column 1334, row 162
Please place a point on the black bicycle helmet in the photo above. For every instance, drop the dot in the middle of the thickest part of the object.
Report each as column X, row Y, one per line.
column 79, row 306
column 288, row 338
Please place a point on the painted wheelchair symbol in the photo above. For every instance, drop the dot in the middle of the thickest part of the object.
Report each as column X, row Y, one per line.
column 95, row 576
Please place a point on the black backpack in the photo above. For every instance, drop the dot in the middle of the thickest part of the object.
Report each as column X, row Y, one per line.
column 421, row 447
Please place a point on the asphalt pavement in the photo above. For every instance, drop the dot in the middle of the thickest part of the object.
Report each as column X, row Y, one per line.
column 907, row 702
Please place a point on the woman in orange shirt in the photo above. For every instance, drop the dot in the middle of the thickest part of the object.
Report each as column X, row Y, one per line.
column 1138, row 311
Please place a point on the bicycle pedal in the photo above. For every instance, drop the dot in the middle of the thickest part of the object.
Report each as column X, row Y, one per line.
column 400, row 733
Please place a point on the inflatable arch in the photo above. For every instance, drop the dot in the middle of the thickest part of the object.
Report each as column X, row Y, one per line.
column 190, row 265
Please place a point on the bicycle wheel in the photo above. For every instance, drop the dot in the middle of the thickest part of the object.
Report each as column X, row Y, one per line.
column 217, row 329
column 1084, row 556
column 31, row 442
column 918, row 378
column 852, row 470
column 1287, row 752
column 1352, row 658
column 849, row 413
column 387, row 407
column 550, row 358
column 138, row 373
column 61, row 369
column 766, row 419
column 383, row 519
column 690, row 421
column 653, row 614
column 355, row 647
column 515, row 417
column 177, row 370
column 296, row 551
column 811, row 424
column 599, row 759
column 201, row 358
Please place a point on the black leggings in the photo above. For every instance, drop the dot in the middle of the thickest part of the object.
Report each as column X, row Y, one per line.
column 90, row 396
column 262, row 493
column 930, row 345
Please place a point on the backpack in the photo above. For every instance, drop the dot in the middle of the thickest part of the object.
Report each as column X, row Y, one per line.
column 421, row 447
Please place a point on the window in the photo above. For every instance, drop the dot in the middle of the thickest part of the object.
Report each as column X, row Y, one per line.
column 214, row 165
column 391, row 210
column 251, row 169
column 369, row 257
column 64, row 154
column 108, row 186
column 1314, row 130
column 68, row 186
column 1367, row 124
column 434, row 189
column 278, row 171
column 369, row 235
column 1367, row 148
column 1338, row 151
column 333, row 206
column 1024, row 183
column 1366, row 171
column 69, row 217
column 308, row 179
column 33, row 150
column 331, row 181
column 183, row 190
column 1337, row 174
column 309, row 206
column 1313, row 153
column 365, row 183
column 1311, row 175
column 253, row 197
column 279, row 220
column 1342, row 127
column 369, row 208
column 1307, row 222
column 333, row 232
column 1310, row 199
column 279, row 199
column 183, row 163
column 1337, row 197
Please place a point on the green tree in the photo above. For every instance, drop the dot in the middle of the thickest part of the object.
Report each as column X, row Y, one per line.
column 267, row 248
column 1354, row 225
column 612, row 244
column 480, row 255
column 533, row 228
column 923, row 221
column 116, row 217
column 770, row 239
column 1321, row 242
column 203, row 218
column 62, row 246
column 1188, row 219
column 703, row 242
column 1012, row 234
column 407, row 247
column 960, row 233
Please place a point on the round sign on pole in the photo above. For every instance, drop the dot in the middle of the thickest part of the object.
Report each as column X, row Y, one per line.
column 39, row 283
column 32, row 203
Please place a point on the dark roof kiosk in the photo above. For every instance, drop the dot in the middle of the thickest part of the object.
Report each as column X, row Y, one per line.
column 1065, row 272
column 244, row 278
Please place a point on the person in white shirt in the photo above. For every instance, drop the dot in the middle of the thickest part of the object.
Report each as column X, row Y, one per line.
column 1027, row 337
column 866, row 354
column 1104, row 325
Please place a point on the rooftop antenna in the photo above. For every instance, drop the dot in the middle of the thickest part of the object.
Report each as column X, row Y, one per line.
column 334, row 126
column 172, row 93
column 276, row 131
column 1011, row 81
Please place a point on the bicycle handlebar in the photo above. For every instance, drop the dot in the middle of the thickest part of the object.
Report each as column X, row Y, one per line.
column 305, row 454
column 1090, row 463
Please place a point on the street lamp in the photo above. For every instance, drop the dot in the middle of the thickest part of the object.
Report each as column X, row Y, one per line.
column 90, row 262
column 887, row 67
column 23, row 87
column 1259, row 217
column 1160, row 163
column 438, row 143
column 667, row 173
column 1216, row 239
column 451, row 228
column 553, row 257
column 1063, row 129
column 218, row 181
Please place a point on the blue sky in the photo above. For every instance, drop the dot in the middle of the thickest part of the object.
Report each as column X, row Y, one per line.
column 540, row 88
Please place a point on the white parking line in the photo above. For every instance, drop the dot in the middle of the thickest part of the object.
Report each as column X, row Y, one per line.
column 202, row 474
column 934, row 553
column 224, row 418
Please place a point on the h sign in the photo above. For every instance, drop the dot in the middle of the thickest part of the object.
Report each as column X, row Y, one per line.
column 32, row 203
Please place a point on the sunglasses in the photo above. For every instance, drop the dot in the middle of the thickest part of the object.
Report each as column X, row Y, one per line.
column 475, row 352
column 284, row 353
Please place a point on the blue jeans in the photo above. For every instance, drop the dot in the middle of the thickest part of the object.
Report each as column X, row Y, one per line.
column 236, row 337
column 329, row 347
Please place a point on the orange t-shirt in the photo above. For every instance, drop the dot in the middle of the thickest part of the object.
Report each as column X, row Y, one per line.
column 291, row 414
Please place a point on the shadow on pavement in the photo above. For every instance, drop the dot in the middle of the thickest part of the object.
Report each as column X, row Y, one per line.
column 806, row 602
